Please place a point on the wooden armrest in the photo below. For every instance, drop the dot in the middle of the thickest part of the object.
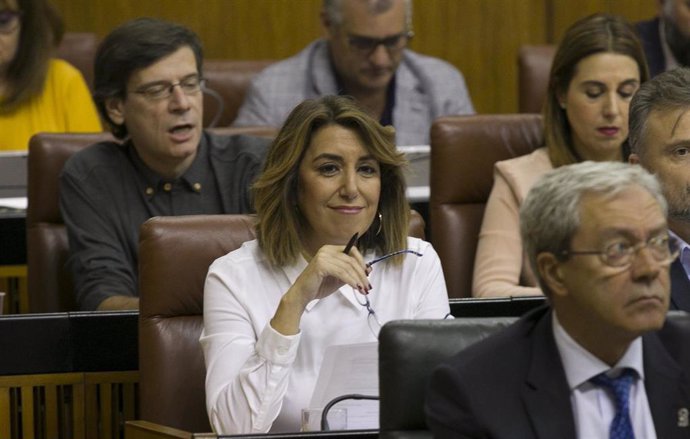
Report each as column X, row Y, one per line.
column 149, row 430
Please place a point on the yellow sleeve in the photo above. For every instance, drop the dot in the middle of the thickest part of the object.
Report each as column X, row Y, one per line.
column 64, row 105
column 79, row 109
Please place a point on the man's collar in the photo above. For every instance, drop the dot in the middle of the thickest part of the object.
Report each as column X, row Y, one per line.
column 580, row 365
column 192, row 177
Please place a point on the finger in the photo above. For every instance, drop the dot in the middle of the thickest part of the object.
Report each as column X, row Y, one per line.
column 345, row 269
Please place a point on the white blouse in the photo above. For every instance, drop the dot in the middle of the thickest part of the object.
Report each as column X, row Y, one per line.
column 258, row 380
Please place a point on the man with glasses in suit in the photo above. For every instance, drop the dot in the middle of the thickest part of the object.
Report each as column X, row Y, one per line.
column 148, row 88
column 600, row 360
column 364, row 54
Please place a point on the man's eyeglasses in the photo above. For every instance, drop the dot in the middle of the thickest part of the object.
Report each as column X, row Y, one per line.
column 365, row 45
column 372, row 319
column 663, row 248
column 9, row 21
column 163, row 90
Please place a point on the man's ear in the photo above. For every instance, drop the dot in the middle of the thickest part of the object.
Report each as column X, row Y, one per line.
column 551, row 272
column 327, row 27
column 634, row 159
column 115, row 109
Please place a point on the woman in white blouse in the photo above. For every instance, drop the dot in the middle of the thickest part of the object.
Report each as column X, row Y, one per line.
column 274, row 305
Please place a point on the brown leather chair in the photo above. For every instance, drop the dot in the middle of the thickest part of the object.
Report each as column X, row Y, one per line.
column 174, row 256
column 79, row 49
column 534, row 66
column 463, row 152
column 49, row 282
column 227, row 82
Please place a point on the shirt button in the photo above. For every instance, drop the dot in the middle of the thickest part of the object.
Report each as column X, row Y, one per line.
column 167, row 187
column 149, row 191
column 197, row 187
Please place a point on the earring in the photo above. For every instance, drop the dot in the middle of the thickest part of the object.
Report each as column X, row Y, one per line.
column 378, row 231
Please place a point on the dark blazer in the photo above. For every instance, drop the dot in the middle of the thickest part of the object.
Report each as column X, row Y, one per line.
column 512, row 385
column 680, row 287
column 648, row 31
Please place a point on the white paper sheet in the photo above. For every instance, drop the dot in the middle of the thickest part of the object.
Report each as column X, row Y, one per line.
column 348, row 369
column 14, row 203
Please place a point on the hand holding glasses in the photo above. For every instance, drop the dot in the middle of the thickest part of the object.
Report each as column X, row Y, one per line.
column 372, row 319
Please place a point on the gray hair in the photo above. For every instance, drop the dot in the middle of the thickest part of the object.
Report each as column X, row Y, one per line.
column 334, row 10
column 668, row 91
column 550, row 215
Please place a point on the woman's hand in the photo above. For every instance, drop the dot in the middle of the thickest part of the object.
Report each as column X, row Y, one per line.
column 327, row 271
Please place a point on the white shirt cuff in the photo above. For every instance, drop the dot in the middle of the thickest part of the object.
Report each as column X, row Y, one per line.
column 276, row 347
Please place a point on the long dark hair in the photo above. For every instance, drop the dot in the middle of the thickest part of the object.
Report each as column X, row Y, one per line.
column 598, row 33
column 41, row 32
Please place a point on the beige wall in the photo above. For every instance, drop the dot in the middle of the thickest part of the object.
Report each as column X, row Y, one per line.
column 480, row 37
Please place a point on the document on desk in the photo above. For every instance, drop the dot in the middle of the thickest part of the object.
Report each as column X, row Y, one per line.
column 350, row 369
column 15, row 203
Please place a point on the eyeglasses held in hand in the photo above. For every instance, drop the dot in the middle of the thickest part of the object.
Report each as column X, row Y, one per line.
column 390, row 255
column 372, row 319
column 621, row 254
column 365, row 45
column 163, row 90
column 9, row 21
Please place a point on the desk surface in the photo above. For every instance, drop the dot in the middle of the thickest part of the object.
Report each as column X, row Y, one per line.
column 69, row 342
column 346, row 434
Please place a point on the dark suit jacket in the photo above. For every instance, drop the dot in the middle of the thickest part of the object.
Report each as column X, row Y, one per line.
column 513, row 386
column 648, row 31
column 680, row 287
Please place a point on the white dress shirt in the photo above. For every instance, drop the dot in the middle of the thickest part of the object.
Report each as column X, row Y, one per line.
column 593, row 407
column 257, row 379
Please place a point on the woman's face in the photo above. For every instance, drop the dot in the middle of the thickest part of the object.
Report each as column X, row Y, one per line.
column 10, row 27
column 339, row 184
column 596, row 104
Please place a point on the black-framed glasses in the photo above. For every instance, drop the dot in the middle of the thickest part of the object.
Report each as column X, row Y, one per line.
column 9, row 20
column 163, row 90
column 372, row 319
column 621, row 254
column 366, row 45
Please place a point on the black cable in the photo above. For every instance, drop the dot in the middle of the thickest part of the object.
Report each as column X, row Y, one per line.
column 337, row 399
column 221, row 106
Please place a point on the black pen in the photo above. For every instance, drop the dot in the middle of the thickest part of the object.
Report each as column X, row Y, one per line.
column 350, row 243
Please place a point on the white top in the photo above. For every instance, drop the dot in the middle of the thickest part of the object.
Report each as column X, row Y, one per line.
column 593, row 407
column 257, row 379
